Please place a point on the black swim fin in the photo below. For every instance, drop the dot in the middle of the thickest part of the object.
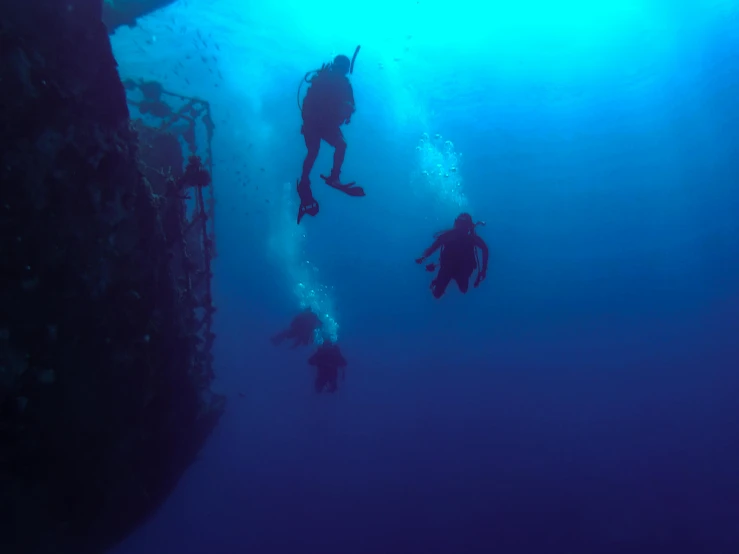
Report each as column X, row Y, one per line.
column 352, row 190
column 310, row 209
column 348, row 188
column 308, row 204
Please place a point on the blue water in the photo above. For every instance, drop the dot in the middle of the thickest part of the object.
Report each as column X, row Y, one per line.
column 584, row 397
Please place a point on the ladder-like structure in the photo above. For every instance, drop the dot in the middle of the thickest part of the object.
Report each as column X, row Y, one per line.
column 175, row 137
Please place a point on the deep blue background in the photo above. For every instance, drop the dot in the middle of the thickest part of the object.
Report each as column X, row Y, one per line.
column 583, row 399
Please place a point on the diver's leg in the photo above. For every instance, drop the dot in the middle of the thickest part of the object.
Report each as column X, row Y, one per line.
column 321, row 379
column 313, row 144
column 279, row 337
column 336, row 139
column 308, row 204
column 439, row 285
column 333, row 376
column 463, row 281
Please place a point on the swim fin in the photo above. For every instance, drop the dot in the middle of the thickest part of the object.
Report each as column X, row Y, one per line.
column 308, row 204
column 349, row 188
column 310, row 209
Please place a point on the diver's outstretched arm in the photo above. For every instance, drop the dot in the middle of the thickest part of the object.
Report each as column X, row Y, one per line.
column 438, row 243
column 485, row 254
column 279, row 337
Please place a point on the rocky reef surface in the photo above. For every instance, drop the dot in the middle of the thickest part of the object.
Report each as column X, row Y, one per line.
column 105, row 304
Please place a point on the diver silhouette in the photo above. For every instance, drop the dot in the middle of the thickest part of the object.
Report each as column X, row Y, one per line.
column 301, row 329
column 328, row 104
column 458, row 257
column 327, row 361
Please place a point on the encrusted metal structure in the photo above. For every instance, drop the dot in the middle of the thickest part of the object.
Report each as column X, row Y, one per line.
column 106, row 211
column 175, row 133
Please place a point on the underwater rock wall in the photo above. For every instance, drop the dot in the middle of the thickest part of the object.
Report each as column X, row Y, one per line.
column 104, row 385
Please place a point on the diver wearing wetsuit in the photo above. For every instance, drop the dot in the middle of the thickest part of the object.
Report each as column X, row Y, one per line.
column 328, row 104
column 458, row 258
column 327, row 360
column 301, row 329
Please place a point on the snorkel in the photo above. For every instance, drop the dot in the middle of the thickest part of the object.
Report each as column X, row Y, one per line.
column 354, row 57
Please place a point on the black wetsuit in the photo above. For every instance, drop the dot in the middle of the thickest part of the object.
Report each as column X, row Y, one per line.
column 328, row 103
column 301, row 330
column 456, row 262
column 327, row 359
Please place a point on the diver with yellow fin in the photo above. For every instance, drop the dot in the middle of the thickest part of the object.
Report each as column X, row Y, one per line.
column 328, row 104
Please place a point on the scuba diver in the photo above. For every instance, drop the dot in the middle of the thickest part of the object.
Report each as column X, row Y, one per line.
column 458, row 257
column 301, row 329
column 327, row 360
column 328, row 104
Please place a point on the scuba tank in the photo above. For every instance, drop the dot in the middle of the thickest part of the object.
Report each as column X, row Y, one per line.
column 313, row 73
